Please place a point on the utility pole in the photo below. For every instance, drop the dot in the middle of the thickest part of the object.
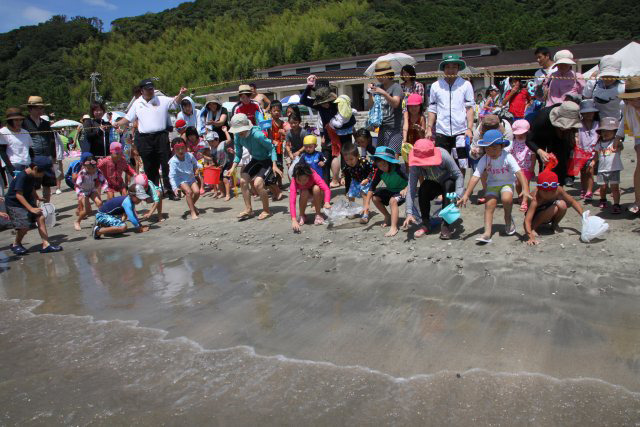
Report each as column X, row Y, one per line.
column 94, row 96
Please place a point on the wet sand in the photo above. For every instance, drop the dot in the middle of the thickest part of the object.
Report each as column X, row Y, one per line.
column 251, row 323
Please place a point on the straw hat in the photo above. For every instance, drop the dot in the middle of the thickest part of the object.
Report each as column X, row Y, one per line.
column 382, row 68
column 14, row 113
column 35, row 101
column 631, row 88
column 564, row 57
column 566, row 116
column 244, row 89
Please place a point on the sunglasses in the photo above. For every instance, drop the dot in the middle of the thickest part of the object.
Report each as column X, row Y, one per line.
column 546, row 185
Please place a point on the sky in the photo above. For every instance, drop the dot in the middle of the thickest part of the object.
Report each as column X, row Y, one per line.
column 17, row 13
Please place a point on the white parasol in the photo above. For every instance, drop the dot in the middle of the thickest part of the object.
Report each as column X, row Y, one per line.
column 397, row 61
column 65, row 123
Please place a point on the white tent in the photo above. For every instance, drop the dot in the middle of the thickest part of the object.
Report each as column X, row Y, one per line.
column 630, row 57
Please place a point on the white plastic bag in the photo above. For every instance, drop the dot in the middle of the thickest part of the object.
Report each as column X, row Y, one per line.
column 342, row 209
column 49, row 213
column 593, row 227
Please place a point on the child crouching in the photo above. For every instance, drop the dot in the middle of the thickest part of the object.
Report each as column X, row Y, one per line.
column 395, row 190
column 109, row 219
column 309, row 184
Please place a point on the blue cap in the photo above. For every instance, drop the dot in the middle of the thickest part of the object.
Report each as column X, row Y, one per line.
column 84, row 156
column 45, row 164
column 491, row 137
column 386, row 154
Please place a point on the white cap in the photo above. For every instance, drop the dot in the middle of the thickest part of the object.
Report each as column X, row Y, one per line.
column 211, row 136
column 564, row 57
column 240, row 123
column 141, row 193
column 609, row 66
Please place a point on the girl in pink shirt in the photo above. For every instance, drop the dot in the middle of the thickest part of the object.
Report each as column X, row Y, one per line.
column 112, row 168
column 310, row 184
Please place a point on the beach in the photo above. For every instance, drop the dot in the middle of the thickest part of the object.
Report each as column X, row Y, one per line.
column 217, row 321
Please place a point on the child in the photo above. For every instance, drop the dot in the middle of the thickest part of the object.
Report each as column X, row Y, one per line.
column 278, row 135
column 154, row 195
column 182, row 175
column 395, row 190
column 21, row 201
column 112, row 168
column 587, row 139
column 364, row 141
column 222, row 153
column 89, row 184
column 502, row 171
column 309, row 184
column 524, row 156
column 295, row 137
column 313, row 158
column 609, row 163
column 414, row 120
column 358, row 173
column 549, row 204
column 109, row 219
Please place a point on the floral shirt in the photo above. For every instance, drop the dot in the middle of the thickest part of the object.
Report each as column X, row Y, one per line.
column 113, row 171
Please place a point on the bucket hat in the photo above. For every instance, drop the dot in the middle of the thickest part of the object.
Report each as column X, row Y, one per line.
column 520, row 127
column 414, row 99
column 35, row 101
column 609, row 66
column 566, row 116
column 14, row 113
column 631, row 88
column 564, row 57
column 240, row 123
column 588, row 106
column 382, row 68
column 452, row 58
column 493, row 136
column 244, row 89
column 425, row 153
column 387, row 154
column 323, row 95
column 608, row 123
column 212, row 99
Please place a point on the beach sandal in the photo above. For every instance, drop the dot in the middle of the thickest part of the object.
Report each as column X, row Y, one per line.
column 602, row 204
column 364, row 219
column 524, row 206
column 634, row 209
column 616, row 209
column 582, row 193
column 50, row 249
column 245, row 214
column 588, row 196
column 264, row 215
column 512, row 229
column 483, row 239
column 18, row 249
column 319, row 220
column 420, row 232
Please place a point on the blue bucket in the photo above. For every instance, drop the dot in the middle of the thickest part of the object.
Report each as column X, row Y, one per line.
column 265, row 124
column 450, row 214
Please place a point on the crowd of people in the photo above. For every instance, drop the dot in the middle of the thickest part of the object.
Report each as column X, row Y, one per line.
column 547, row 130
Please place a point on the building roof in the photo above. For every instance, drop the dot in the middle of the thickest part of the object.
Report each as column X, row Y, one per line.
column 501, row 59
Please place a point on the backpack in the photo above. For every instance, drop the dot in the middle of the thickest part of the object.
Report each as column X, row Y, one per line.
column 74, row 167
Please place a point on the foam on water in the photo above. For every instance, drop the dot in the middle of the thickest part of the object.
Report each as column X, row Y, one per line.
column 72, row 369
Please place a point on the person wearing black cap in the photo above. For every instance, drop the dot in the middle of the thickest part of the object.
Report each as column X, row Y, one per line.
column 152, row 138
column 21, row 203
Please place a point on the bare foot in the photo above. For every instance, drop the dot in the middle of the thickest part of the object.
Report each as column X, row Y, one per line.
column 386, row 222
column 392, row 232
column 77, row 226
column 226, row 199
column 194, row 216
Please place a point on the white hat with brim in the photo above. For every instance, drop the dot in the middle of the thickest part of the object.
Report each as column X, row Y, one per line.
column 566, row 116
column 588, row 106
column 240, row 123
column 609, row 66
column 564, row 57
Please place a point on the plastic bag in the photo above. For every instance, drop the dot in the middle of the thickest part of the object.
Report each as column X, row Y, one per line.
column 357, row 190
column 342, row 209
column 49, row 213
column 593, row 227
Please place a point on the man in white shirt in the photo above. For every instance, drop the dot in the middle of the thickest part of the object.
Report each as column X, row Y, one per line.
column 543, row 56
column 451, row 102
column 152, row 137
column 16, row 148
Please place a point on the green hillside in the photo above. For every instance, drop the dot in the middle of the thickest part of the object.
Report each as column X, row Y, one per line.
column 216, row 40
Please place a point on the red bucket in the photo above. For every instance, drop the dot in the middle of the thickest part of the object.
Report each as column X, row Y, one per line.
column 211, row 175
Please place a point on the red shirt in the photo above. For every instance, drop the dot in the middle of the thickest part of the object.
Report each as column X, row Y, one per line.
column 518, row 103
column 249, row 109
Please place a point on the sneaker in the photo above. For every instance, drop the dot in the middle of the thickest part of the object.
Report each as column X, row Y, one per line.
column 50, row 249
column 95, row 232
column 58, row 191
column 602, row 204
column 18, row 249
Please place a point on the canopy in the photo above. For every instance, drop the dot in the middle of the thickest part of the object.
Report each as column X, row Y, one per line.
column 397, row 60
column 293, row 99
column 65, row 123
column 630, row 57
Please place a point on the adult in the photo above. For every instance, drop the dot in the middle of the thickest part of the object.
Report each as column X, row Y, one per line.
column 188, row 112
column 564, row 81
column 213, row 116
column 409, row 84
column 260, row 171
column 543, row 56
column 553, row 131
column 44, row 141
column 438, row 175
column 518, row 98
column 606, row 90
column 451, row 103
column 261, row 99
column 15, row 145
column 97, row 131
column 631, row 124
column 327, row 110
column 152, row 138
column 246, row 105
column 390, row 132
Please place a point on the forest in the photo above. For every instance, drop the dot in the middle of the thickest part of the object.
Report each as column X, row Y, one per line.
column 208, row 41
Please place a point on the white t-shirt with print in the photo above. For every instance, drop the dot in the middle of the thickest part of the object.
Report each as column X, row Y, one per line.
column 18, row 145
column 500, row 171
column 609, row 160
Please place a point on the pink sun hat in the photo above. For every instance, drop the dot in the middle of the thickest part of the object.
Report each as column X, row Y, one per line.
column 425, row 153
